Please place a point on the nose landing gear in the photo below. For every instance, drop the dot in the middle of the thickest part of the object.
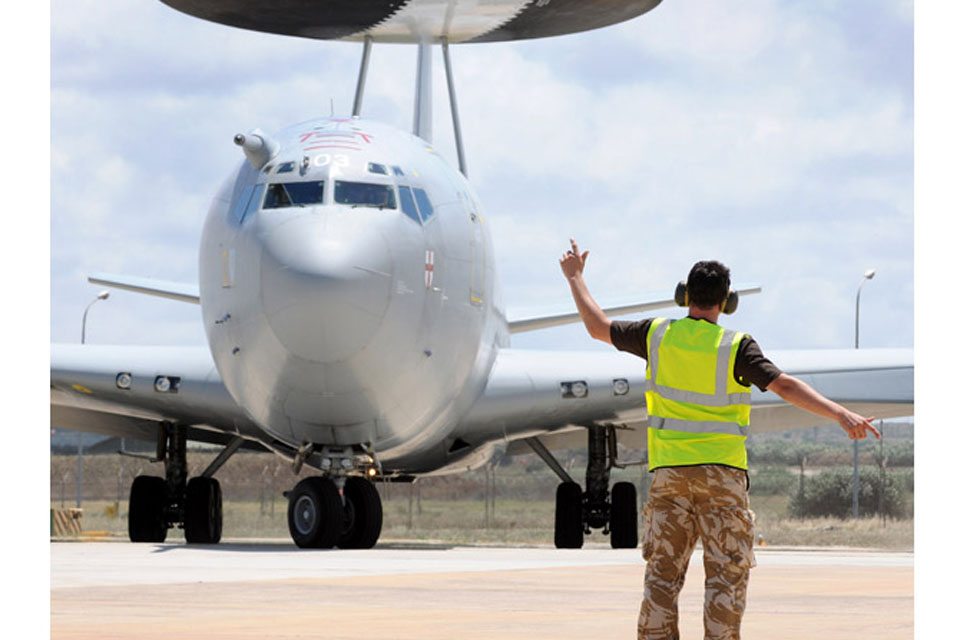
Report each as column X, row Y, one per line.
column 363, row 515
column 315, row 513
column 335, row 509
column 320, row 515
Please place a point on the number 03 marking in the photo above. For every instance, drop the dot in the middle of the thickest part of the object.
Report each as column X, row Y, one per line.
column 337, row 160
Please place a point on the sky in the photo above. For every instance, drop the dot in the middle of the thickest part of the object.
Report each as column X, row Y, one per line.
column 774, row 136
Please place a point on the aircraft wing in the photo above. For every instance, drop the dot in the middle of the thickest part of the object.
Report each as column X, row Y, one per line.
column 530, row 319
column 162, row 288
column 86, row 395
column 531, row 393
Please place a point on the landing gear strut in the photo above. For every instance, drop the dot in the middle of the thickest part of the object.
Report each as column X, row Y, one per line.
column 158, row 504
column 579, row 511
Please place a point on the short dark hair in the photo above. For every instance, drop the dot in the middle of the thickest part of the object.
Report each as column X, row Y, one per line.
column 708, row 283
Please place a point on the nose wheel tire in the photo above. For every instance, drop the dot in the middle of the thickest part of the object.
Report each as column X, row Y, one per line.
column 147, row 521
column 203, row 521
column 363, row 516
column 315, row 513
column 568, row 523
column 623, row 516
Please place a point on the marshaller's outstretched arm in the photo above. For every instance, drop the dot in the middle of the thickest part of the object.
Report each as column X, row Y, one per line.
column 800, row 394
column 596, row 321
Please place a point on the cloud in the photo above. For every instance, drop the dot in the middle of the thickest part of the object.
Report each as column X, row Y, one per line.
column 758, row 132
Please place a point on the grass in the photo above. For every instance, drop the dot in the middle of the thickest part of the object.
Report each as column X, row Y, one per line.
column 779, row 529
column 517, row 522
column 450, row 509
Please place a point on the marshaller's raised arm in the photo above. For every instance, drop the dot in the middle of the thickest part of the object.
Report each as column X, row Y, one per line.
column 596, row 321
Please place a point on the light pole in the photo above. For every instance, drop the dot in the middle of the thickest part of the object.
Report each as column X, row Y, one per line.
column 103, row 295
column 856, row 443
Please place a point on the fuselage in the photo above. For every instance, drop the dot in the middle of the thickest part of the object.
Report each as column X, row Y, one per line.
column 348, row 290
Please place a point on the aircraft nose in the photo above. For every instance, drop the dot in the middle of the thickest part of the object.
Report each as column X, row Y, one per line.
column 325, row 284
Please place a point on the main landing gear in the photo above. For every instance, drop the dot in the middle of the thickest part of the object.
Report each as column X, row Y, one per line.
column 579, row 511
column 158, row 504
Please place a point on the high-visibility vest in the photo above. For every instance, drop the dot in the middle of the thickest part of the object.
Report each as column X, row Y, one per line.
column 698, row 412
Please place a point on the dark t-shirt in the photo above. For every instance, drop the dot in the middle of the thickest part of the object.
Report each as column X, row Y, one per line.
column 750, row 366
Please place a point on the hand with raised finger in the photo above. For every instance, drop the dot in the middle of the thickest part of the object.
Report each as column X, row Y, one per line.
column 572, row 262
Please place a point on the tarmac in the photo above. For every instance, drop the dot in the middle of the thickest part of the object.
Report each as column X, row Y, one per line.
column 418, row 591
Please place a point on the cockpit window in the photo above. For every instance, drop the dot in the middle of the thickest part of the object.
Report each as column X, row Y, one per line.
column 423, row 202
column 254, row 202
column 240, row 205
column 286, row 167
column 373, row 167
column 406, row 204
column 363, row 194
column 247, row 201
column 293, row 194
column 397, row 171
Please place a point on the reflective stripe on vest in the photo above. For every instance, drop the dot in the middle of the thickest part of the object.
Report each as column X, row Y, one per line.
column 695, row 427
column 698, row 426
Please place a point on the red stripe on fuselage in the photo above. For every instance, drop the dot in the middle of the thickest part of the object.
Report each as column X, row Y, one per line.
column 331, row 146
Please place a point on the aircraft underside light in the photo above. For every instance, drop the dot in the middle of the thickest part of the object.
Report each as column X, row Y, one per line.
column 576, row 389
column 166, row 384
column 124, row 380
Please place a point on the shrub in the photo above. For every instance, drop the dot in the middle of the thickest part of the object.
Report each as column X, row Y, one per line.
column 830, row 493
column 782, row 453
column 771, row 481
column 898, row 453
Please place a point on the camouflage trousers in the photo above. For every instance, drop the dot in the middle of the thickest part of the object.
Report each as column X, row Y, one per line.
column 708, row 503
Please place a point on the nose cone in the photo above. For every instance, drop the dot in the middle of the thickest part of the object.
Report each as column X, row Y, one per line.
column 325, row 284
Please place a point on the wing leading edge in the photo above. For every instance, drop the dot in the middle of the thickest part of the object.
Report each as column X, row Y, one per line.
column 525, row 396
column 532, row 319
column 161, row 288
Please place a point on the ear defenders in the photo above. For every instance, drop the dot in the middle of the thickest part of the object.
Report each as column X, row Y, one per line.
column 728, row 306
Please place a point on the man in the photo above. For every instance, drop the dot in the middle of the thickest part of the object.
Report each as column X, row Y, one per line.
column 698, row 401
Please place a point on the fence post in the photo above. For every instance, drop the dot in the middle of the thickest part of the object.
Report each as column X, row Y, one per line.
column 883, row 480
column 803, row 506
column 410, row 505
column 486, row 496
column 493, row 492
